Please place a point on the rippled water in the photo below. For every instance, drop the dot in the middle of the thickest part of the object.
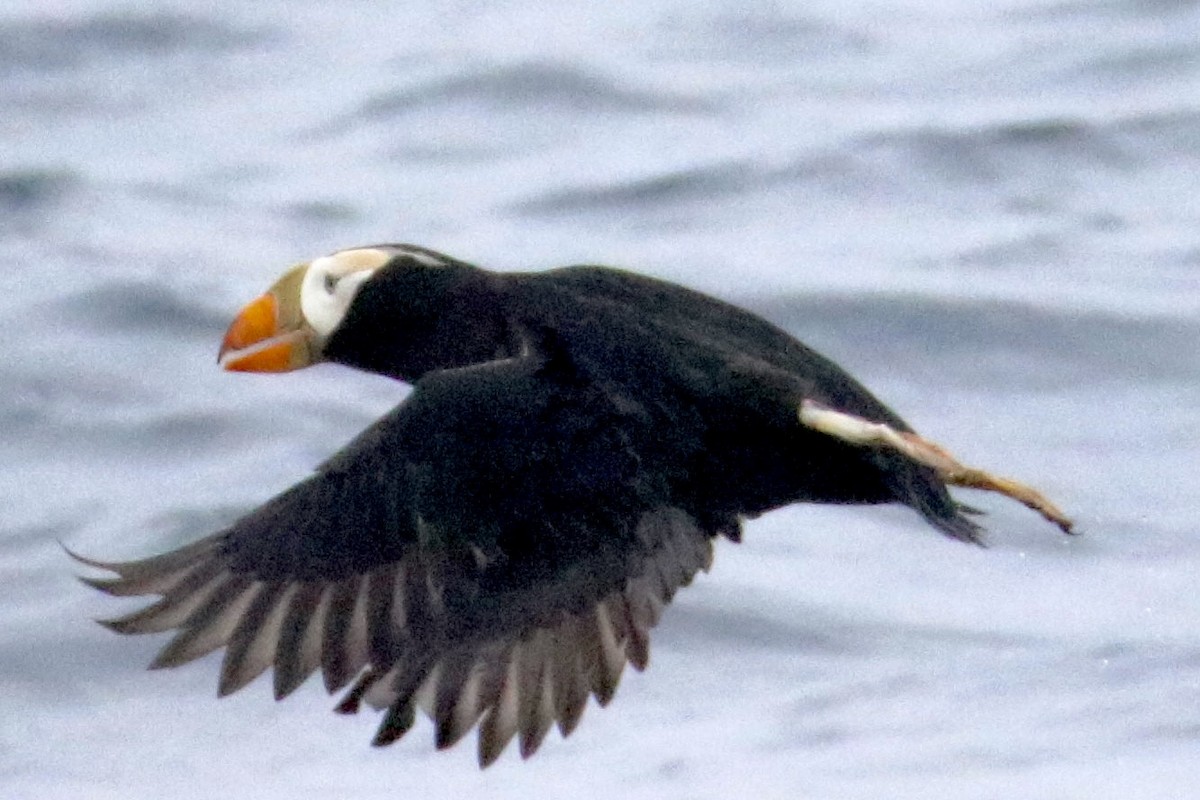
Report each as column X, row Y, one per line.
column 988, row 212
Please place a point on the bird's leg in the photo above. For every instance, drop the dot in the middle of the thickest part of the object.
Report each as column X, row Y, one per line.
column 863, row 432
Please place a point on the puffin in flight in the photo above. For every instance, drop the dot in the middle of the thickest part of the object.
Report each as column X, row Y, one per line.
column 495, row 549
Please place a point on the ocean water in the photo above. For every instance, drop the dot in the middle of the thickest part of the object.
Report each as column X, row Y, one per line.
column 990, row 213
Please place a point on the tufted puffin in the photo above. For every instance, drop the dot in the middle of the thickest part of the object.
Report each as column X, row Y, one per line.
column 498, row 547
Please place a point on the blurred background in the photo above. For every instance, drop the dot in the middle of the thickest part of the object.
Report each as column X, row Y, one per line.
column 988, row 212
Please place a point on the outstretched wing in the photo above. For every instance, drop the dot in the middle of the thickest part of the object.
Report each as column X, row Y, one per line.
column 493, row 551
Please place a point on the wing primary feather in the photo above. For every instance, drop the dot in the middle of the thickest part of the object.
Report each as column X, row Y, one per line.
column 667, row 563
column 435, row 595
column 457, row 703
column 704, row 552
column 352, row 700
column 694, row 548
column 382, row 637
column 173, row 610
column 469, row 709
column 344, row 638
column 500, row 723
column 452, row 673
column 637, row 646
column 357, row 640
column 149, row 575
column 397, row 721
column 617, row 613
column 211, row 625
column 572, row 651
column 410, row 677
column 652, row 599
column 426, row 693
column 334, row 669
column 399, row 616
column 606, row 652
column 537, row 693
column 298, row 652
column 251, row 648
column 491, row 662
column 381, row 693
column 685, row 551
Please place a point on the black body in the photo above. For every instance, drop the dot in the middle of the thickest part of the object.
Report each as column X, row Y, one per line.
column 574, row 441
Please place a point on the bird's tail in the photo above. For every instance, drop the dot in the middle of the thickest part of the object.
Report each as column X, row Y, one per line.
column 925, row 469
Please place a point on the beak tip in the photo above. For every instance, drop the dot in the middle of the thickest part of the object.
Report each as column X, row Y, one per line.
column 269, row 334
column 246, row 347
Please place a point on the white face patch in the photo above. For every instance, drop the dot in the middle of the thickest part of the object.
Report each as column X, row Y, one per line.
column 331, row 282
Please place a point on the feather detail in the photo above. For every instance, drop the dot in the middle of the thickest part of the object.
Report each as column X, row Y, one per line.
column 344, row 639
column 500, row 724
column 210, row 625
column 252, row 645
column 299, row 649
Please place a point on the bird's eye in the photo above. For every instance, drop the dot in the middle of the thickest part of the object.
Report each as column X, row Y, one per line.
column 330, row 283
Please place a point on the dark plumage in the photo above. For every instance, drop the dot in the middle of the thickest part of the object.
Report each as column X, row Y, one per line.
column 496, row 548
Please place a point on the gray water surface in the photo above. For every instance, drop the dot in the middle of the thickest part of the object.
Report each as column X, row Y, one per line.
column 987, row 212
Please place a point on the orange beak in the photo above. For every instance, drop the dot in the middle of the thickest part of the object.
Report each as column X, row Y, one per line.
column 267, row 338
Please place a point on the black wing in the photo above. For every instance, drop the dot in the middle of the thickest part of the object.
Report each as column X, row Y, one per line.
column 493, row 551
